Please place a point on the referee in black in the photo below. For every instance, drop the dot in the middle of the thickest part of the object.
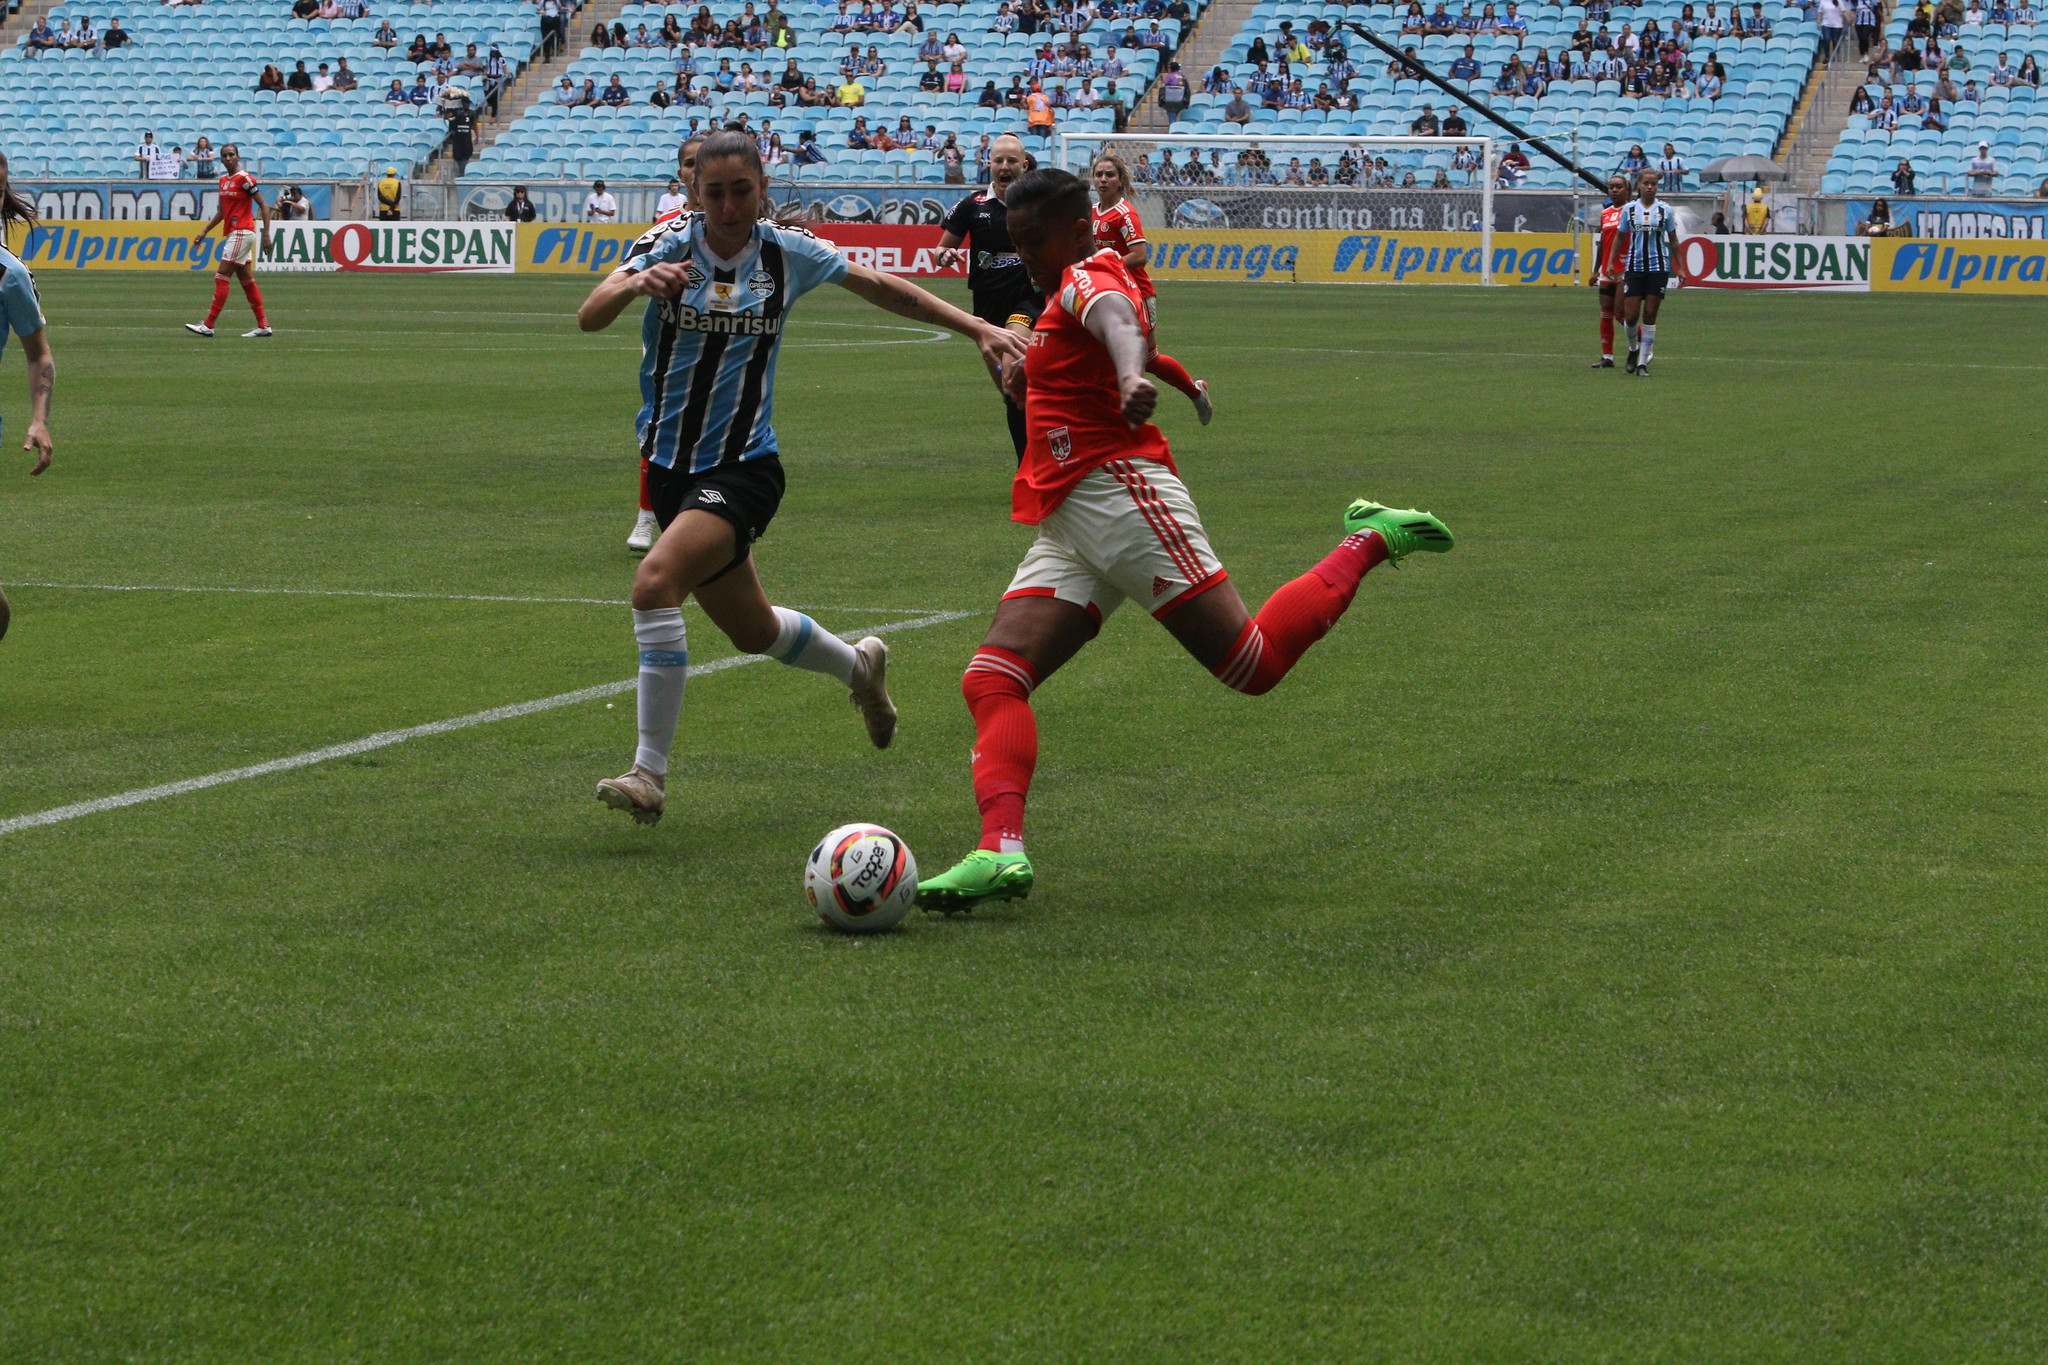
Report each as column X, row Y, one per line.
column 996, row 278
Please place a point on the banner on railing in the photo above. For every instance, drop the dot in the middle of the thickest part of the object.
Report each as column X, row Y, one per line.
column 1973, row 267
column 74, row 201
column 1946, row 218
column 1840, row 263
column 568, row 249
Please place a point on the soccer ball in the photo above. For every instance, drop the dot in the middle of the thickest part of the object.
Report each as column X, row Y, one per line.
column 861, row 879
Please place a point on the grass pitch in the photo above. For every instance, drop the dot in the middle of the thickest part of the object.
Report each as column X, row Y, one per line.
column 1621, row 939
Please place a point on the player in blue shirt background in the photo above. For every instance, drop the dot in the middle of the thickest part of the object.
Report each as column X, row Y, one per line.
column 720, row 281
column 1650, row 233
column 21, row 314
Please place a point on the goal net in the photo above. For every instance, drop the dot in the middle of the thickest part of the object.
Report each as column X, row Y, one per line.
column 1262, row 182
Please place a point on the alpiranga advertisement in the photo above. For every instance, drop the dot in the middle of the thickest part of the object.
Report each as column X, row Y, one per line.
column 1985, row 265
column 1312, row 257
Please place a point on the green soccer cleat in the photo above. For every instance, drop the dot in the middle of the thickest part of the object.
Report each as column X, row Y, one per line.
column 1405, row 532
column 979, row 877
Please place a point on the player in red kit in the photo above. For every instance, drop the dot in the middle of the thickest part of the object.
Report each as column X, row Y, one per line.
column 1117, row 227
column 1114, row 521
column 1607, row 266
column 240, row 202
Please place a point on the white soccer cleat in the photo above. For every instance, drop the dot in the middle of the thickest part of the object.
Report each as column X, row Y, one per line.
column 263, row 331
column 199, row 329
column 645, row 531
column 1204, row 409
column 639, row 793
column 870, row 692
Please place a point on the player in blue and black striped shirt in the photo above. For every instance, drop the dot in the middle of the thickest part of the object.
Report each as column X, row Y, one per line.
column 1650, row 231
column 720, row 282
column 21, row 314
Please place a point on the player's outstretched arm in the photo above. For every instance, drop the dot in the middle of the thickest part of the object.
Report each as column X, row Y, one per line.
column 1114, row 322
column 609, row 299
column 42, row 383
column 211, row 224
column 999, row 345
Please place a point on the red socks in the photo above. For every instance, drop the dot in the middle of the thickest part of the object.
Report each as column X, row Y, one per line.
column 646, row 504
column 220, row 298
column 255, row 297
column 1606, row 326
column 998, row 686
column 1298, row 615
column 1173, row 372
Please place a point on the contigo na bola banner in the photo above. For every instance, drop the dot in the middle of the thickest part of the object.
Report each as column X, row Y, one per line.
column 1841, row 263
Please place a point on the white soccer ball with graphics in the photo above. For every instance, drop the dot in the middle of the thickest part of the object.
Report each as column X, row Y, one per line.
column 861, row 879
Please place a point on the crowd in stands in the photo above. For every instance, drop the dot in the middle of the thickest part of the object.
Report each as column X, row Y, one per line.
column 43, row 38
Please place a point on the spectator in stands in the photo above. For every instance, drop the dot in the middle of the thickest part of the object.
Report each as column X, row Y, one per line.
column 305, row 9
column 1911, row 103
column 168, row 165
column 851, row 95
column 344, row 76
column 396, row 94
column 1016, row 94
column 1514, row 167
column 41, row 38
column 1152, row 39
column 955, row 50
column 1466, row 67
column 586, row 98
column 600, row 207
column 2004, row 73
column 2029, row 73
column 615, row 95
column 1634, row 163
column 519, row 208
column 857, row 137
column 416, row 50
column 1509, row 81
column 1038, row 114
column 202, row 159
column 271, row 79
column 956, row 79
column 471, row 63
column 1454, row 124
column 145, row 153
column 564, row 93
column 1885, row 117
column 808, row 152
column 1671, row 169
column 1879, row 223
column 1860, row 102
column 1425, row 124
column 659, row 97
column 1982, row 170
column 114, row 37
column 1903, row 178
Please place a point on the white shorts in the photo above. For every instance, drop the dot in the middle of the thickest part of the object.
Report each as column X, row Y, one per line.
column 1128, row 529
column 237, row 247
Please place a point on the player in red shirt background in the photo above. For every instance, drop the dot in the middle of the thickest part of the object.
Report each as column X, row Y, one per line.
column 1607, row 265
column 1118, row 228
column 240, row 201
column 1114, row 521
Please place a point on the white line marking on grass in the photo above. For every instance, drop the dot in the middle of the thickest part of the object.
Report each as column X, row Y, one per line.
column 423, row 596
column 1682, row 356
column 386, row 738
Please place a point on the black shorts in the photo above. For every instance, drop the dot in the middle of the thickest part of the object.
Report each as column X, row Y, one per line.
column 744, row 492
column 1010, row 309
column 1644, row 284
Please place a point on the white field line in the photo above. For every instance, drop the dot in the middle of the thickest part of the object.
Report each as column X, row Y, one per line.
column 1682, row 355
column 421, row 596
column 386, row 738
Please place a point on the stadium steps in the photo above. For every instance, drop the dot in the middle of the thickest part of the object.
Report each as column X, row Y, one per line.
column 1820, row 117
column 1199, row 50
column 13, row 26
column 535, row 77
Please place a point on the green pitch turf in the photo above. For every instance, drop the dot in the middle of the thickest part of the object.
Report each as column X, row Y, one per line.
column 1622, row 939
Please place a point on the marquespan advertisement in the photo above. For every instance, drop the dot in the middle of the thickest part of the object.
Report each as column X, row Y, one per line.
column 1840, row 263
column 484, row 248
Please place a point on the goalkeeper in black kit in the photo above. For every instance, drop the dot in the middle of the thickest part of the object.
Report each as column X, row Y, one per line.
column 996, row 277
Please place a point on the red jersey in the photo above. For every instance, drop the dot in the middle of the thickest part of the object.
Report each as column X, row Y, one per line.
column 237, row 202
column 1119, row 229
column 1073, row 410
column 1613, row 242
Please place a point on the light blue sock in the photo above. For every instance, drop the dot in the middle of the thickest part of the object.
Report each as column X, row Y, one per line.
column 664, row 668
column 803, row 643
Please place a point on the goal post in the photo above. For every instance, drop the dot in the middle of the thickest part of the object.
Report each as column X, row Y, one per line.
column 1265, row 181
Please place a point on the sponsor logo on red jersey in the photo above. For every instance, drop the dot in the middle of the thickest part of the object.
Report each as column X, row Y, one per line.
column 237, row 207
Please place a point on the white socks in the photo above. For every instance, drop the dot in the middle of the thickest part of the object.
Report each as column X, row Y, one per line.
column 1649, row 341
column 664, row 666
column 802, row 643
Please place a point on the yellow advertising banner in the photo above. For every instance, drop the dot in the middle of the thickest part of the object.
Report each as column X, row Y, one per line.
column 117, row 244
column 1972, row 265
column 573, row 248
column 1311, row 257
